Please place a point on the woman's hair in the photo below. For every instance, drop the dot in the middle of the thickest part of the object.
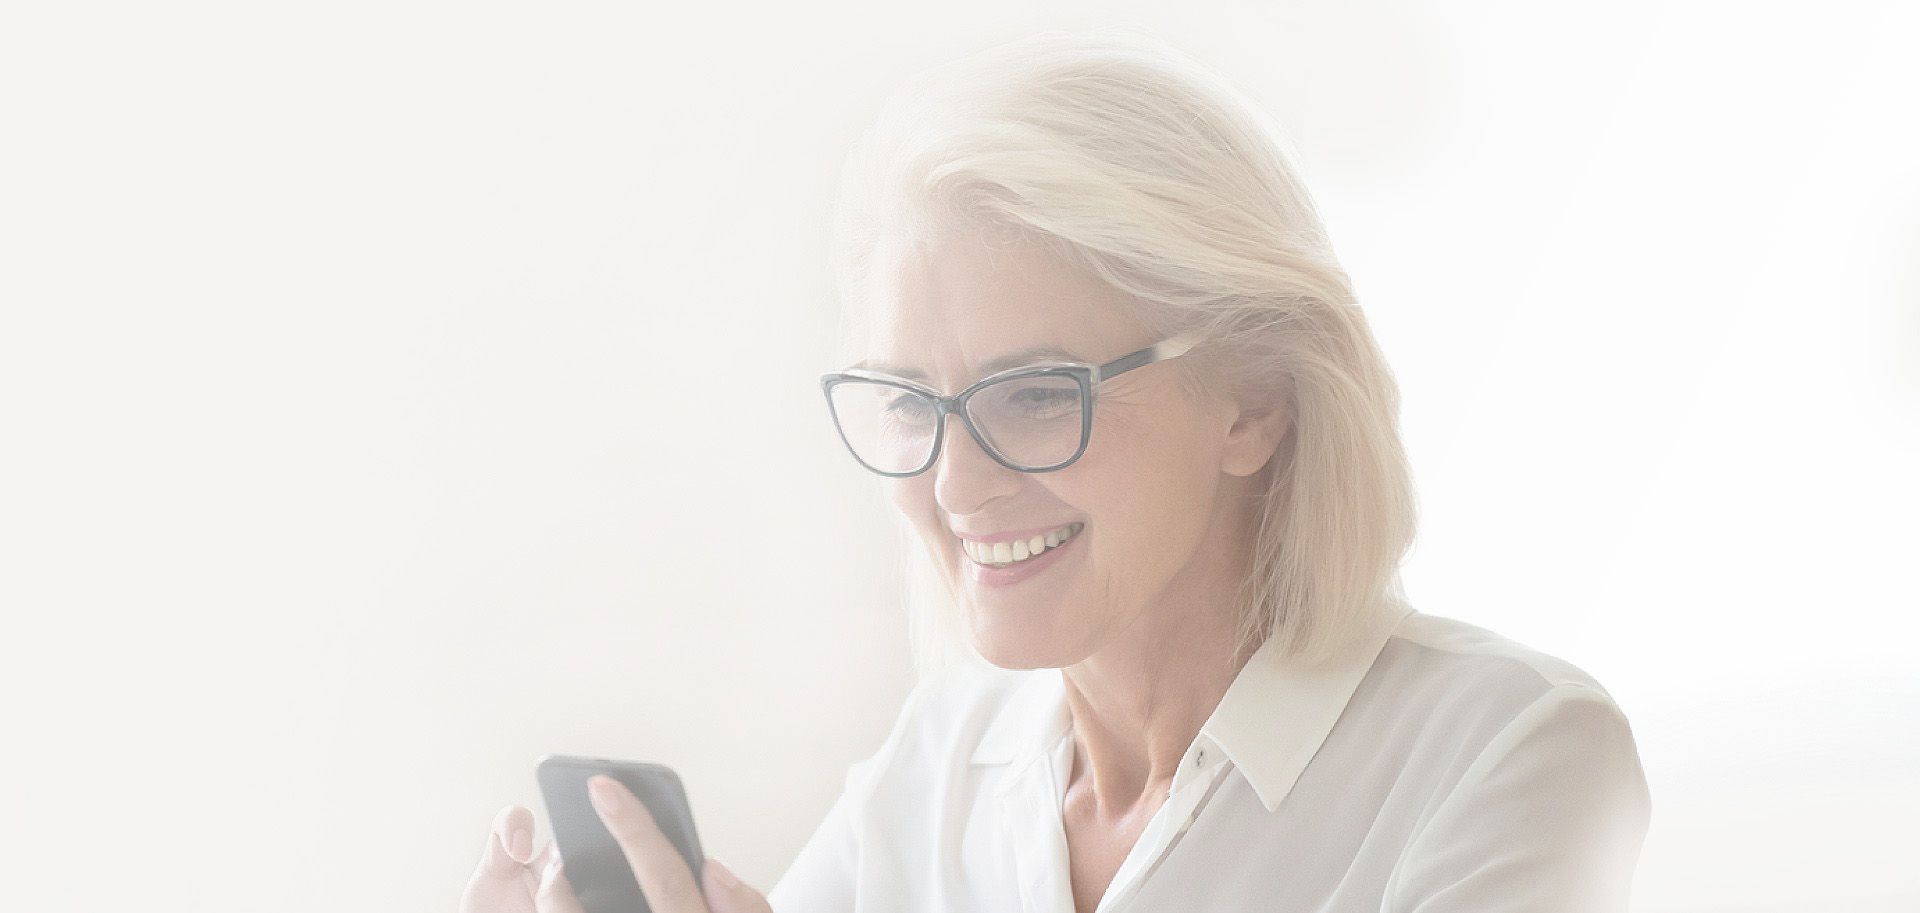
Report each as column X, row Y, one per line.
column 1138, row 164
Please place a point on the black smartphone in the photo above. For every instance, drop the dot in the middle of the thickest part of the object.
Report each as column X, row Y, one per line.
column 594, row 864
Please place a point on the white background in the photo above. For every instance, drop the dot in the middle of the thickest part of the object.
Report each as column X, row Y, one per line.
column 393, row 392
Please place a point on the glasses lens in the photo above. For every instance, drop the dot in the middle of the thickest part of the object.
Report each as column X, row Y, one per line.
column 889, row 428
column 1034, row 422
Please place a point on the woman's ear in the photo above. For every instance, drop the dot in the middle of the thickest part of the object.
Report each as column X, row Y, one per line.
column 1255, row 435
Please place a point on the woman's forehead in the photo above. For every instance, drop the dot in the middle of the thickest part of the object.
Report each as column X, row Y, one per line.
column 968, row 308
column 956, row 340
column 1025, row 355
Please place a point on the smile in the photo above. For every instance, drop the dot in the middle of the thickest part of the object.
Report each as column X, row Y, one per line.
column 1001, row 554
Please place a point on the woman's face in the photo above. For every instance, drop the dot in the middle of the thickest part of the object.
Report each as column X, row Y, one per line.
column 1154, row 491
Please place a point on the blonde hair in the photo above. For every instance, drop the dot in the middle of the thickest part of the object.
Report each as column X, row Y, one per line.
column 1137, row 163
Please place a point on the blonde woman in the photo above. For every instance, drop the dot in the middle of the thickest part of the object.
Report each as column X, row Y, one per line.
column 1106, row 365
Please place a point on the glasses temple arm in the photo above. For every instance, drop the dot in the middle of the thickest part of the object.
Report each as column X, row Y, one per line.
column 1159, row 351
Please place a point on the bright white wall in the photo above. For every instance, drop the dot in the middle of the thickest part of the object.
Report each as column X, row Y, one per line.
column 394, row 392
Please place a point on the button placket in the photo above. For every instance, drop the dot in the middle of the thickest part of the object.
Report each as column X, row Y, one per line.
column 1124, row 902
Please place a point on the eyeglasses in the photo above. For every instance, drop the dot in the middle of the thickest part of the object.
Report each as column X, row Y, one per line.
column 1036, row 418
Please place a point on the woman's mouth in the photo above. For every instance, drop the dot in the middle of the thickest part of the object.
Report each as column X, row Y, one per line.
column 1008, row 562
column 1014, row 551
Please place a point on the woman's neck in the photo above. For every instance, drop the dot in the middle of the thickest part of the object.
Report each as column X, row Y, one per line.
column 1139, row 701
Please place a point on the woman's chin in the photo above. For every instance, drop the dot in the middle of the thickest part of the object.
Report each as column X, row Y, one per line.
column 1020, row 643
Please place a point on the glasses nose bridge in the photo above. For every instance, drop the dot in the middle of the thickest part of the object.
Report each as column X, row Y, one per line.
column 950, row 406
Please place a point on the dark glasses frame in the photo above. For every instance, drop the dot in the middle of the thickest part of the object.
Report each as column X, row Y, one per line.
column 1088, row 376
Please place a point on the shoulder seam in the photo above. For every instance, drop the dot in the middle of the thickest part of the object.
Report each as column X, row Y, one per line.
column 1526, row 656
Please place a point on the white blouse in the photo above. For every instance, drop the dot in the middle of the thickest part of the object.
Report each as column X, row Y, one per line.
column 1437, row 767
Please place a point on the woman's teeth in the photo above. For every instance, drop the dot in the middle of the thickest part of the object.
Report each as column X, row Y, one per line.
column 1018, row 550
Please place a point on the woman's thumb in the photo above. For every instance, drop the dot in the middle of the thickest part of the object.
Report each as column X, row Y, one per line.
column 726, row 893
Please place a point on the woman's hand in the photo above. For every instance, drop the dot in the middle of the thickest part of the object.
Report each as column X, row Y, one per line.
column 513, row 879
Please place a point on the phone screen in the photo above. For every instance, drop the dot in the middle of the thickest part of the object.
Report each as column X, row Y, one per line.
column 594, row 864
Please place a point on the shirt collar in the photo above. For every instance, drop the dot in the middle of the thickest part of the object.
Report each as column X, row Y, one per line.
column 1270, row 722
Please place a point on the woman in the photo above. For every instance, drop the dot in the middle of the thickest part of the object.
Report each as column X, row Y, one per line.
column 1117, row 383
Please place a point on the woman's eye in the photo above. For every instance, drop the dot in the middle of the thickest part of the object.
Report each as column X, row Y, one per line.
column 907, row 407
column 1046, row 397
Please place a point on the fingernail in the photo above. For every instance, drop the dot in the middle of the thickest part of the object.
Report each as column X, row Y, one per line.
column 520, row 845
column 606, row 796
column 725, row 874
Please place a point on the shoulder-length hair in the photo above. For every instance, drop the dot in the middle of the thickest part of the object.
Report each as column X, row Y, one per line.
column 1139, row 164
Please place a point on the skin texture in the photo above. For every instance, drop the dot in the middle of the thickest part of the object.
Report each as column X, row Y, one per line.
column 1138, row 616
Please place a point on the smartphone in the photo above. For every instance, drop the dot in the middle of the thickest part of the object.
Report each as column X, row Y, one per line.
column 594, row 863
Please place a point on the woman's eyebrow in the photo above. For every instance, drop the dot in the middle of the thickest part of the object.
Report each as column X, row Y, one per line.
column 1015, row 359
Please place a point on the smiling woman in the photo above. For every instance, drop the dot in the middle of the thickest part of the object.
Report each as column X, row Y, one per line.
column 1167, row 531
column 1164, row 537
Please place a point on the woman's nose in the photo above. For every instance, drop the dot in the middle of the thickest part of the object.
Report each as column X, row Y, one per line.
column 964, row 475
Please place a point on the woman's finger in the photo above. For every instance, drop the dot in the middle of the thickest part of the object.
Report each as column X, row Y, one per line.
column 656, row 862
column 555, row 893
column 514, row 826
column 534, row 870
column 726, row 893
column 499, row 884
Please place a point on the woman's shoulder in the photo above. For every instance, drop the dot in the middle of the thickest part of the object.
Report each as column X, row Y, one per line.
column 1523, row 758
column 1468, row 646
column 1453, row 668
